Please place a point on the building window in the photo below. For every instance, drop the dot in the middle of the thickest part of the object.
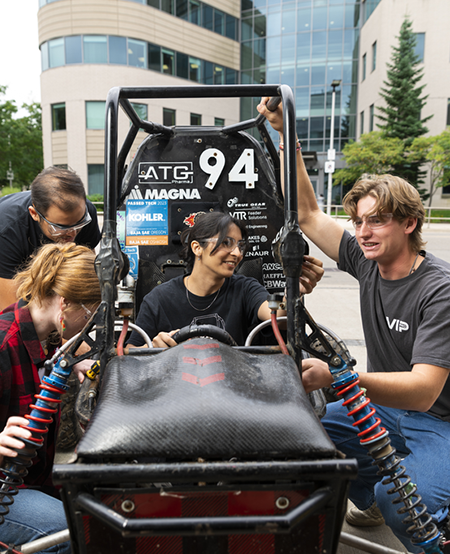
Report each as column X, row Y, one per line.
column 207, row 17
column 361, row 123
column 56, row 52
column 117, row 49
column 374, row 56
column 195, row 70
column 141, row 110
column 167, row 6
column 168, row 117
column 196, row 119
column 219, row 121
column 95, row 49
column 95, row 115
column 448, row 111
column 372, row 115
column 154, row 58
column 182, row 65
column 96, row 177
column 74, row 53
column 419, row 50
column 59, row 117
column 195, row 14
column 168, row 61
column 364, row 61
column 137, row 53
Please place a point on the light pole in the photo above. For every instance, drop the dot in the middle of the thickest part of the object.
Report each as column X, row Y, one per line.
column 330, row 163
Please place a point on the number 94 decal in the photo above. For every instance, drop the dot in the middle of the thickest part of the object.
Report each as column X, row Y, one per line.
column 242, row 171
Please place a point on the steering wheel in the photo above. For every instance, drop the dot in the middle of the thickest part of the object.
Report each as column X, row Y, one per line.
column 191, row 331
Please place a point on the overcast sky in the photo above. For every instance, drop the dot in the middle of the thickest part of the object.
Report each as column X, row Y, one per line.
column 20, row 61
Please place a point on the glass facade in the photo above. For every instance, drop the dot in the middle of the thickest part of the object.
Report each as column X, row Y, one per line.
column 102, row 49
column 306, row 45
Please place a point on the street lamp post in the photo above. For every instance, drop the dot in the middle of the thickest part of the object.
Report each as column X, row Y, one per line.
column 330, row 163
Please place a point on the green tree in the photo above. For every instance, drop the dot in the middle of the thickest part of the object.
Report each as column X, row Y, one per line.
column 20, row 142
column 374, row 153
column 401, row 117
column 436, row 153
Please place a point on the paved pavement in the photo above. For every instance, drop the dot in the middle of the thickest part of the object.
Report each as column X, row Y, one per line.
column 335, row 304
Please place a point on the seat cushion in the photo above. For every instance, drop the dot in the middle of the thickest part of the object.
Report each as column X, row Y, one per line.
column 203, row 399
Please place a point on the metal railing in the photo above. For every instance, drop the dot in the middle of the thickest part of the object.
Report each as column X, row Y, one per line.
column 337, row 211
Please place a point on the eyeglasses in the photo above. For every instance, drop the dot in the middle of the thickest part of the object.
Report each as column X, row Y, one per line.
column 87, row 310
column 373, row 221
column 56, row 230
column 229, row 244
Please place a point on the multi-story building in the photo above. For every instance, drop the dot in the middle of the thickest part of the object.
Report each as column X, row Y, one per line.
column 89, row 46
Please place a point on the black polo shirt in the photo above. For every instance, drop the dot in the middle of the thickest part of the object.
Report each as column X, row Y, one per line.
column 20, row 235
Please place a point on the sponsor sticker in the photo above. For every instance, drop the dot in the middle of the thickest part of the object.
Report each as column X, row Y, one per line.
column 167, row 173
column 147, row 222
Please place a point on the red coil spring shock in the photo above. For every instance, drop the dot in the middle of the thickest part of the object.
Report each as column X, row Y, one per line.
column 41, row 416
column 376, row 439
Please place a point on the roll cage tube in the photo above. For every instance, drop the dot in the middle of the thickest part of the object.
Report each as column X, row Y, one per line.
column 290, row 246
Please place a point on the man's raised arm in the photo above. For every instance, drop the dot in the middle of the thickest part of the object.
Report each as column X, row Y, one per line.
column 321, row 229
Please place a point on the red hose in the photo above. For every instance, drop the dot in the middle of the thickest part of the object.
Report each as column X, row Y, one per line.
column 276, row 331
column 122, row 336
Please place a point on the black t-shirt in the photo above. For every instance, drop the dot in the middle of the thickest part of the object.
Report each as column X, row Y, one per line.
column 20, row 235
column 166, row 308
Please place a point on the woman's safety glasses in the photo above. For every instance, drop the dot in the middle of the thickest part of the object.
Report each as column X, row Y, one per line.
column 229, row 244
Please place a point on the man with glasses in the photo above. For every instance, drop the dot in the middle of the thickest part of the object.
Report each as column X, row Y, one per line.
column 54, row 210
column 405, row 310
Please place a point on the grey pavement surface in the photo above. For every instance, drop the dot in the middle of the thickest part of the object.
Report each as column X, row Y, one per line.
column 335, row 304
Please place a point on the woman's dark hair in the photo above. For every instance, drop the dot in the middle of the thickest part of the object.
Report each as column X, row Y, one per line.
column 206, row 226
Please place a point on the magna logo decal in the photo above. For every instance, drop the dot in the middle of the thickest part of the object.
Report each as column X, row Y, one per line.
column 157, row 173
column 165, row 194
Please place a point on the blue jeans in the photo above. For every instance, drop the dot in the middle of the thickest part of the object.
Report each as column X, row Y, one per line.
column 424, row 442
column 34, row 515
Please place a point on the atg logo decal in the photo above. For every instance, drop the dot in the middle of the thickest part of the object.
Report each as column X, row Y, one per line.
column 158, row 173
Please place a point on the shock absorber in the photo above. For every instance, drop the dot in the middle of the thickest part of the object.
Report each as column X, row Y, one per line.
column 375, row 438
column 41, row 416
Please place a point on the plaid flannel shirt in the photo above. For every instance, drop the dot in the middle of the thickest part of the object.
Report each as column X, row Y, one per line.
column 21, row 355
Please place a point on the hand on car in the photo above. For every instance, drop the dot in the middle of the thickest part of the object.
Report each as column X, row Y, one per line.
column 315, row 374
column 10, row 435
column 312, row 273
column 164, row 340
column 275, row 118
column 81, row 368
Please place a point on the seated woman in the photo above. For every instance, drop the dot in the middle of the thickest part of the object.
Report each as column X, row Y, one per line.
column 58, row 291
column 211, row 293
